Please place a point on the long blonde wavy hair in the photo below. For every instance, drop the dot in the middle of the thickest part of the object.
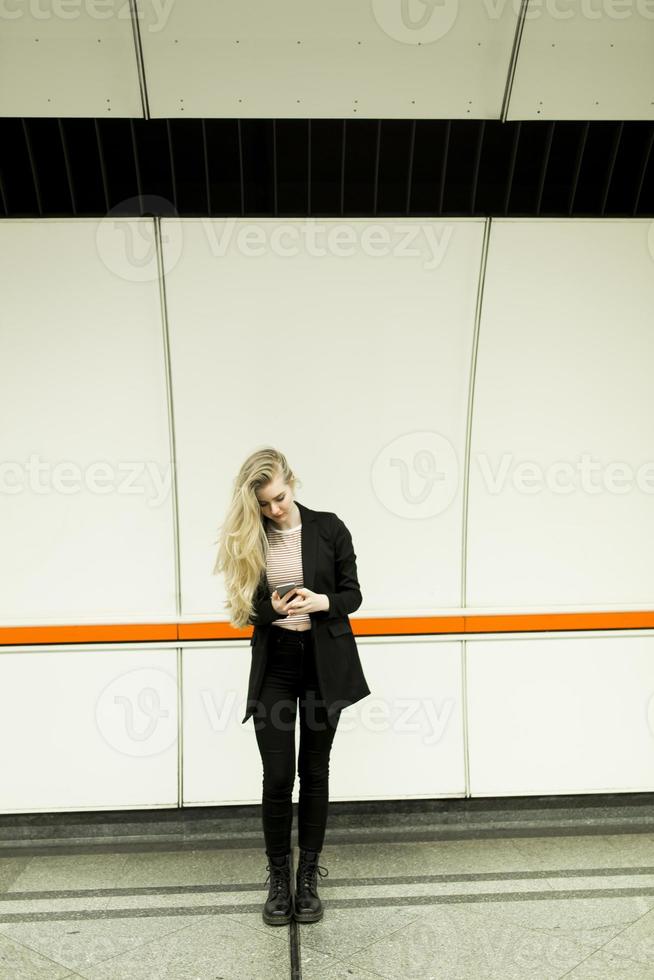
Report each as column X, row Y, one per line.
column 242, row 541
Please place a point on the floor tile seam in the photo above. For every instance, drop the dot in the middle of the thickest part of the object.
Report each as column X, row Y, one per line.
column 22, row 844
column 600, row 949
column 214, row 811
column 117, row 845
column 339, row 961
column 548, row 885
column 355, row 827
column 36, row 952
column 242, row 828
column 386, row 935
column 463, row 898
column 400, row 901
column 253, row 891
column 233, row 832
column 515, row 846
column 627, row 925
column 236, row 921
column 342, row 821
column 120, row 873
column 81, row 915
column 499, row 833
column 550, row 877
column 295, row 950
column 143, row 891
column 190, row 816
column 548, row 888
column 125, row 892
column 545, row 875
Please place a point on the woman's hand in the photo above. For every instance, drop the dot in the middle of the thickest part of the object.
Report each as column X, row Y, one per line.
column 281, row 606
column 306, row 601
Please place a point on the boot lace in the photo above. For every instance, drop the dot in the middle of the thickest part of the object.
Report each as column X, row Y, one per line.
column 307, row 872
column 279, row 876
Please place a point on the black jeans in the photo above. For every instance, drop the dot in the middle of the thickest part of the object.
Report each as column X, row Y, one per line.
column 291, row 675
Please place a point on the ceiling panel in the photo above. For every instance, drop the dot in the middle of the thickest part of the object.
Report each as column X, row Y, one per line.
column 585, row 59
column 68, row 59
column 339, row 59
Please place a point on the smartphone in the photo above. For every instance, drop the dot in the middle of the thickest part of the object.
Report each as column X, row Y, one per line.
column 286, row 587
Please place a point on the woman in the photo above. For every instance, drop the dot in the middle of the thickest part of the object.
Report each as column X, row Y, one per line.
column 303, row 650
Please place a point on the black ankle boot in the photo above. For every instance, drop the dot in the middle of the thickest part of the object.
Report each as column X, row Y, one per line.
column 308, row 907
column 278, row 910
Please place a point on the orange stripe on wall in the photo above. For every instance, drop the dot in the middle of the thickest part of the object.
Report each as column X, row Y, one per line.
column 388, row 626
column 91, row 633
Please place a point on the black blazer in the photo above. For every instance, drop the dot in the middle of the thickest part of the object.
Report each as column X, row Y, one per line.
column 329, row 566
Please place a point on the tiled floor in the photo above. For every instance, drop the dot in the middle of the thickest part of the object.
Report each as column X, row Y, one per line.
column 579, row 907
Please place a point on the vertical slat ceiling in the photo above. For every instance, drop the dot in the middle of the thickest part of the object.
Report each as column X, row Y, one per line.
column 293, row 167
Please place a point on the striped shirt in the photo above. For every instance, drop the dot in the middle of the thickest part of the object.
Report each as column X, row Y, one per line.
column 285, row 565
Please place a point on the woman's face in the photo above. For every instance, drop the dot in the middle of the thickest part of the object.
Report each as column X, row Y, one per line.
column 275, row 499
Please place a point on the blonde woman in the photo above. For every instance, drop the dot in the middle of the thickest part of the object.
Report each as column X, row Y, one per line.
column 303, row 653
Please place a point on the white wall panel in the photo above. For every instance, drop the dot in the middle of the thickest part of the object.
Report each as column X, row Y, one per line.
column 221, row 758
column 305, row 59
column 562, row 472
column 586, row 60
column 549, row 716
column 352, row 355
column 88, row 729
column 404, row 740
column 68, row 59
column 86, row 518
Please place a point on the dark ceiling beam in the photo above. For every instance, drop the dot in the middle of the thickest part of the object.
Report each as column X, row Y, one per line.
column 326, row 167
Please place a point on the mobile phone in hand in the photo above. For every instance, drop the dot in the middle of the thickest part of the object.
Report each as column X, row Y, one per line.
column 282, row 590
